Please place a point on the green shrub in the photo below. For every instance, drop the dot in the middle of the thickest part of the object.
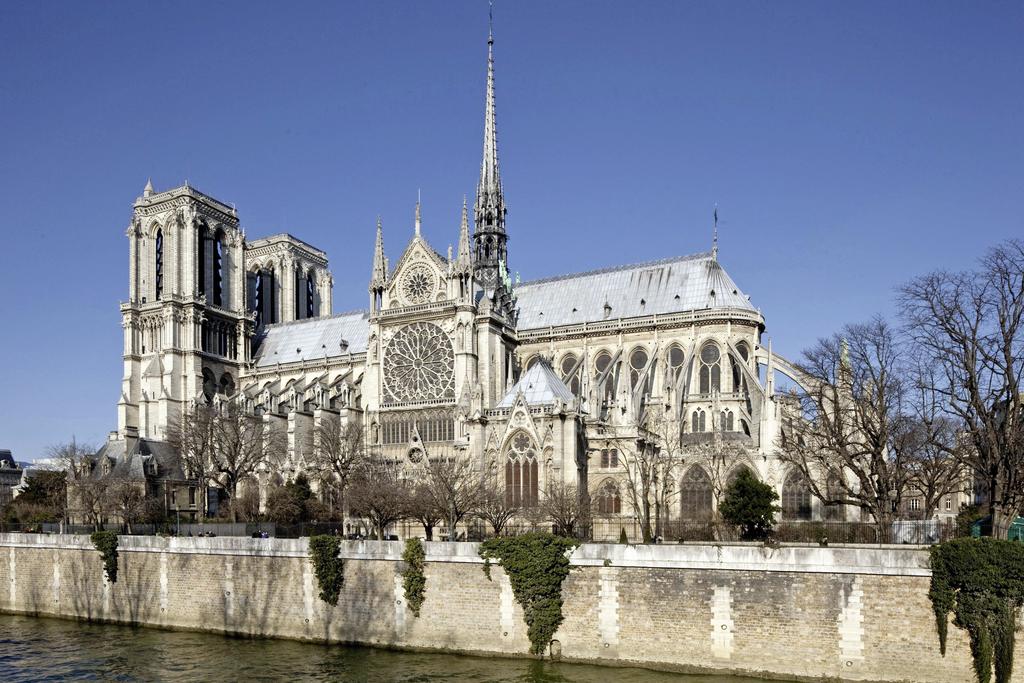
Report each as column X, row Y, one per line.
column 413, row 580
column 536, row 564
column 106, row 543
column 750, row 505
column 328, row 567
column 982, row 582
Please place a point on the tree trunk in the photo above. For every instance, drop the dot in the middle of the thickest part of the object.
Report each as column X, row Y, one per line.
column 428, row 530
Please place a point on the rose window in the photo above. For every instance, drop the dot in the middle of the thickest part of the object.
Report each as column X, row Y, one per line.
column 419, row 364
column 418, row 285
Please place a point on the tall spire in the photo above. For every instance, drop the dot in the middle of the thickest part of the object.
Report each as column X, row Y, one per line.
column 379, row 277
column 489, row 210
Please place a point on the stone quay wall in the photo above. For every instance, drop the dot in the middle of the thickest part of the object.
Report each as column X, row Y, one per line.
column 791, row 613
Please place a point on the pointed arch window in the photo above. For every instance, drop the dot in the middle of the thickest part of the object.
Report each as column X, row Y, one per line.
column 521, row 471
column 736, row 473
column 796, row 497
column 710, row 369
column 727, row 421
column 609, row 500
column 695, row 495
column 637, row 365
column 159, row 263
column 699, row 421
column 310, row 293
column 570, row 373
column 218, row 269
column 601, row 364
column 675, row 364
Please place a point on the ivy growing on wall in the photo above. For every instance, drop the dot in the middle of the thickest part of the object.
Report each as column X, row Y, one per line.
column 536, row 564
column 106, row 543
column 981, row 581
column 413, row 579
column 327, row 566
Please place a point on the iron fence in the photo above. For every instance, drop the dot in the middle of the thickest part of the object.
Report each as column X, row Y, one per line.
column 916, row 532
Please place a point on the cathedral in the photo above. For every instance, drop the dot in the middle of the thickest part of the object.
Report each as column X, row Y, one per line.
column 543, row 382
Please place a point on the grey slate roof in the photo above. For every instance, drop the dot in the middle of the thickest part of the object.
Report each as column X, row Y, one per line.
column 540, row 386
column 313, row 339
column 685, row 283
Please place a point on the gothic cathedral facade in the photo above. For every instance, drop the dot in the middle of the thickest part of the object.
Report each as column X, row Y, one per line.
column 544, row 382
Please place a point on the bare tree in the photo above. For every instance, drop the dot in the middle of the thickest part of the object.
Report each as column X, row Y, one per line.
column 86, row 480
column 970, row 326
column 421, row 508
column 378, row 493
column 563, row 505
column 651, row 468
column 496, row 506
column 127, row 498
column 936, row 447
column 340, row 448
column 852, row 442
column 224, row 445
column 455, row 485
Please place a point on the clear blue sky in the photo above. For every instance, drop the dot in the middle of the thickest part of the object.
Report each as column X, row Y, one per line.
column 848, row 145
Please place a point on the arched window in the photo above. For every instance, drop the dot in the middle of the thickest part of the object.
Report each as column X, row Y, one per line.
column 258, row 282
column 675, row 365
column 834, row 490
column 227, row 385
column 601, row 363
column 609, row 502
column 710, row 369
column 533, row 361
column 695, row 495
column 201, row 239
column 521, row 471
column 310, row 294
column 796, row 497
column 159, row 263
column 699, row 420
column 637, row 364
column 744, row 351
column 299, row 291
column 218, row 269
column 727, row 424
column 570, row 373
column 737, row 375
column 609, row 457
column 209, row 385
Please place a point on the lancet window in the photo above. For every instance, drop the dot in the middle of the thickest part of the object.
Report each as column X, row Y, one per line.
column 710, row 369
column 521, row 471
column 609, row 500
column 796, row 497
column 695, row 495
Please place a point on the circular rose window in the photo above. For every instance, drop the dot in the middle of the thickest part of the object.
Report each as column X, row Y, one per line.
column 418, row 284
column 419, row 364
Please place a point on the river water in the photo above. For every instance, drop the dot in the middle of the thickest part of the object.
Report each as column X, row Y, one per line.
column 36, row 649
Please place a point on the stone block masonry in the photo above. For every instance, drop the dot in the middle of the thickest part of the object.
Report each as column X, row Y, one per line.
column 794, row 613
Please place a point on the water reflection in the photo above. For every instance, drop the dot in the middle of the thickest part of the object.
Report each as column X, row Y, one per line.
column 55, row 650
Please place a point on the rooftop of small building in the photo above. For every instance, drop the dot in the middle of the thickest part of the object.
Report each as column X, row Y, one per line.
column 539, row 385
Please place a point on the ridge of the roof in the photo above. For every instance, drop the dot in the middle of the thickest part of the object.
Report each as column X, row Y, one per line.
column 615, row 269
column 345, row 314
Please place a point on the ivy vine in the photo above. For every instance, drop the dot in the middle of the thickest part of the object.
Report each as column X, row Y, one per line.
column 413, row 579
column 106, row 543
column 328, row 567
column 536, row 564
column 981, row 581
